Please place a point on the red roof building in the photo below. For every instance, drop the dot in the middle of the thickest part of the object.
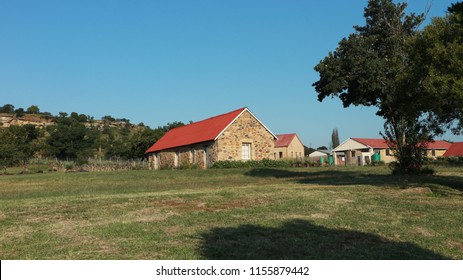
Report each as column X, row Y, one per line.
column 361, row 151
column 288, row 146
column 198, row 132
column 455, row 150
column 237, row 135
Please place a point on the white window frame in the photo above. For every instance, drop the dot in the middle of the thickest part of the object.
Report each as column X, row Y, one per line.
column 246, row 151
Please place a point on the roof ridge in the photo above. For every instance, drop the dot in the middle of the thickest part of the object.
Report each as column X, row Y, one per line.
column 213, row 117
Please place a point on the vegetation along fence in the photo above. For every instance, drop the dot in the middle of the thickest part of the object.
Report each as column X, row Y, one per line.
column 93, row 165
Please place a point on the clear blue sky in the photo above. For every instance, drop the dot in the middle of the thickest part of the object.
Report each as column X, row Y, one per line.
column 163, row 61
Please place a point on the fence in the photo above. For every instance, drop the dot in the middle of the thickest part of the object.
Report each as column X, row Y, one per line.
column 93, row 165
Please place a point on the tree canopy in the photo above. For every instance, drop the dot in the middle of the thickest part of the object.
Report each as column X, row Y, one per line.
column 76, row 137
column 388, row 63
column 334, row 139
column 438, row 70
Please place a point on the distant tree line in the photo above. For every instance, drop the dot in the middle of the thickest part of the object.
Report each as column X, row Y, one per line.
column 21, row 112
column 72, row 137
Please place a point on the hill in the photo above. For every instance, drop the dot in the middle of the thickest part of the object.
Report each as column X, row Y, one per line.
column 25, row 134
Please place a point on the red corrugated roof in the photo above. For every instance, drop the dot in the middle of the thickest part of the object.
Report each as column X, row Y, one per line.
column 372, row 142
column 382, row 144
column 284, row 140
column 439, row 145
column 202, row 131
column 456, row 149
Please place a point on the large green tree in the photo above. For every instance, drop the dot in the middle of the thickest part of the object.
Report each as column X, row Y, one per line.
column 372, row 68
column 438, row 70
column 9, row 154
column 17, row 145
column 70, row 139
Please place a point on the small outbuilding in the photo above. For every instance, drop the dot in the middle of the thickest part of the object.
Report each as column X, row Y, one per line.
column 288, row 146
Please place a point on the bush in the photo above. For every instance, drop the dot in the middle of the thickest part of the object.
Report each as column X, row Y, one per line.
column 187, row 165
column 265, row 163
column 446, row 161
column 377, row 163
column 69, row 166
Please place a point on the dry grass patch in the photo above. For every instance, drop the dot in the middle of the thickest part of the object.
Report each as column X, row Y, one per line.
column 319, row 213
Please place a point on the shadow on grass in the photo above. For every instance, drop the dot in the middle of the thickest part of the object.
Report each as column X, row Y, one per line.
column 345, row 177
column 300, row 239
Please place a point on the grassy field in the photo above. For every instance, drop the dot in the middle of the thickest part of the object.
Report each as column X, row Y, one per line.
column 310, row 213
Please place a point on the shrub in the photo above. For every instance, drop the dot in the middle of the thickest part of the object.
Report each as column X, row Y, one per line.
column 265, row 163
column 69, row 166
column 187, row 165
column 377, row 163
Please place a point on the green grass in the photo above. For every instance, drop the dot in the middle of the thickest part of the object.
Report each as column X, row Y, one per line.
column 308, row 213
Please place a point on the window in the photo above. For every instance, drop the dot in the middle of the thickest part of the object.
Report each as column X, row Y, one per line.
column 246, row 151
column 433, row 152
column 281, row 155
column 353, row 154
column 388, row 152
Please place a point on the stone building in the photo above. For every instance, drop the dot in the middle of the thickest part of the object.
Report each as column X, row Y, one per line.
column 288, row 146
column 237, row 135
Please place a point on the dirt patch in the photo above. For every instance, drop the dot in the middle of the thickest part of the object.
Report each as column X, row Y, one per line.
column 343, row 201
column 172, row 230
column 320, row 216
column 243, row 203
column 417, row 190
column 69, row 230
column 15, row 233
column 180, row 205
column 424, row 232
column 456, row 244
column 147, row 215
column 307, row 217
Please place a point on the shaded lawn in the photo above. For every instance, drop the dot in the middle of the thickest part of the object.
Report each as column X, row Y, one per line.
column 319, row 213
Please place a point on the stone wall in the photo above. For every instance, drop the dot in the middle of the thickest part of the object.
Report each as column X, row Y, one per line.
column 245, row 129
column 184, row 156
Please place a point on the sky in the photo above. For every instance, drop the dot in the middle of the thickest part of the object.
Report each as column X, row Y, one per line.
column 163, row 61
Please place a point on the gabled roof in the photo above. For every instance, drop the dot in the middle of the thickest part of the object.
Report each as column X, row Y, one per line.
column 455, row 150
column 285, row 139
column 202, row 131
column 372, row 142
column 318, row 153
column 378, row 143
column 438, row 145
